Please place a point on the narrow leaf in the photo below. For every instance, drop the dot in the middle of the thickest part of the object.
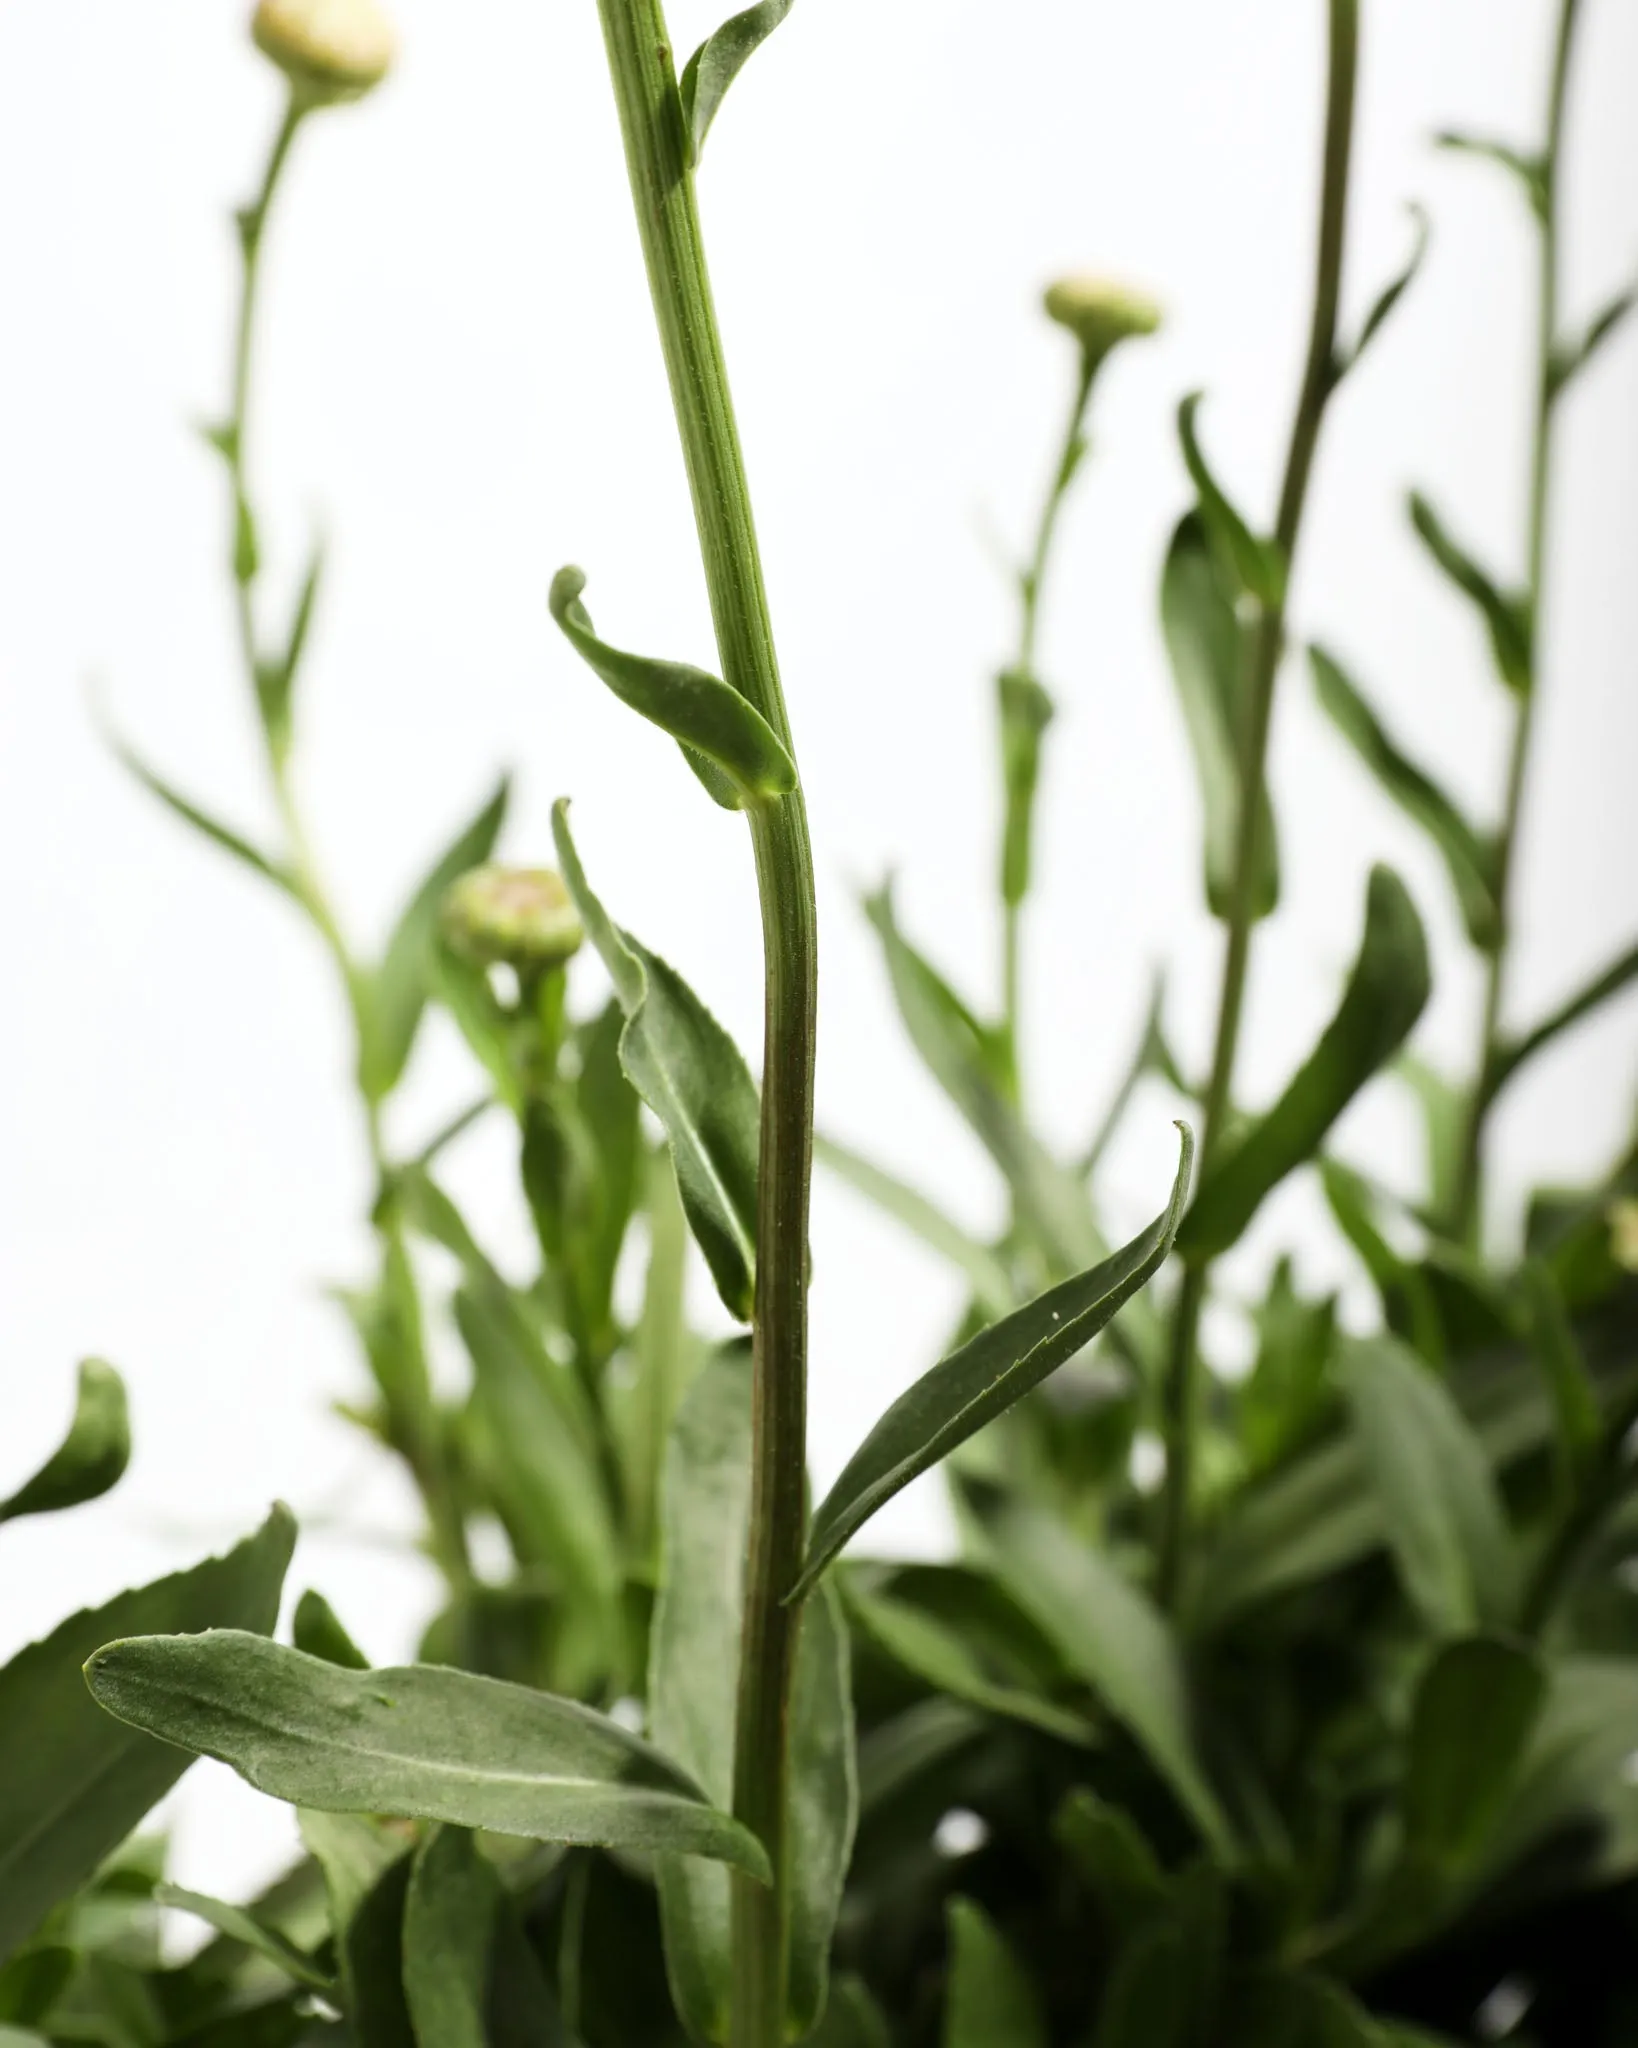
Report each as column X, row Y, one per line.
column 983, row 1271
column 984, row 1378
column 1527, row 166
column 718, row 62
column 692, row 1075
column 709, row 718
column 451, row 1911
column 1152, row 1055
column 1445, row 1109
column 399, row 988
column 92, row 1457
column 73, row 1784
column 1579, row 1420
column 241, row 1926
column 1388, row 298
column 989, row 2001
column 1476, row 1708
column 1255, row 565
column 1384, row 997
column 1506, row 615
column 1467, row 855
column 276, row 679
column 202, row 821
column 316, row 1629
column 1610, row 981
column 1113, row 1856
column 1571, row 358
column 422, row 1742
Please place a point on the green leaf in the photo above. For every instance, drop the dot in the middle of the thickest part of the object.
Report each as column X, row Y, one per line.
column 1506, row 614
column 1305, row 2012
column 1580, row 1422
column 1528, row 166
column 422, row 1742
column 1445, row 1109
column 242, row 1926
column 1610, row 981
column 984, row 1378
column 397, row 992
column 202, row 821
column 73, row 1784
column 1111, row 1636
column 276, row 679
column 1153, row 1055
column 1286, row 1386
column 1114, row 1858
column 852, row 2019
column 1256, row 566
column 1468, row 856
column 1205, row 643
column 1386, row 991
column 985, row 1274
column 1476, row 1708
column 692, row 1075
column 1026, row 712
column 1144, row 2002
column 717, row 63
column 1571, row 358
column 316, row 1629
column 454, row 1903
column 1573, row 1779
column 725, row 739
column 693, row 1680
column 1388, row 298
column 1437, row 1498
column 90, row 1459
column 366, row 1881
column 464, row 989
column 989, row 2001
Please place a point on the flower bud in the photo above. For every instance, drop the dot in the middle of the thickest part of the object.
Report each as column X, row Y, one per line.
column 512, row 917
column 330, row 50
column 1099, row 313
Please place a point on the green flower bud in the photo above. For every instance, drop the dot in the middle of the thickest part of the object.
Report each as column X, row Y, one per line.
column 512, row 917
column 1099, row 313
column 330, row 50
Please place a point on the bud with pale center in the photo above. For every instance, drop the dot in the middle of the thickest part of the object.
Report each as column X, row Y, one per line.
column 330, row 50
column 1099, row 313
column 522, row 918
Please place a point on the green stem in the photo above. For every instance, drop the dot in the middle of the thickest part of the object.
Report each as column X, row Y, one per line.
column 1267, row 640
column 640, row 63
column 1469, row 1188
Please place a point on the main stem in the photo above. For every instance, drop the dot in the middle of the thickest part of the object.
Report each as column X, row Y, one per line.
column 1468, row 1217
column 645, row 90
column 1180, row 1394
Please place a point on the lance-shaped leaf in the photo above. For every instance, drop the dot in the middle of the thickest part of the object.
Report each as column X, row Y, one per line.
column 985, row 1274
column 1468, row 856
column 464, row 1956
column 1527, row 165
column 1256, row 566
column 990, row 2001
column 1205, row 644
column 1608, row 982
column 201, row 820
column 1506, row 614
column 1476, row 1708
column 317, row 1628
column 242, row 1926
column 717, row 63
column 729, row 744
column 421, row 1742
column 984, row 1378
column 90, row 1459
column 73, row 1784
column 692, row 1075
column 694, row 1661
column 1384, row 997
column 1572, row 357
column 276, row 674
column 397, row 992
column 1388, row 298
column 1152, row 1055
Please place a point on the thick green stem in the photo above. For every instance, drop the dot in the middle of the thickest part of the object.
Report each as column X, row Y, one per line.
column 1180, row 1396
column 1469, row 1205
column 640, row 62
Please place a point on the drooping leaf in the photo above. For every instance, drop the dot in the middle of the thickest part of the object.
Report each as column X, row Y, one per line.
column 1387, row 989
column 73, row 1784
column 316, row 1628
column 1388, row 298
column 423, row 1742
column 1205, row 646
column 398, row 990
column 985, row 1274
column 692, row 1075
column 1528, row 166
column 1571, row 358
column 717, row 62
column 724, row 738
column 1026, row 712
column 242, row 1926
column 91, row 1458
column 1256, row 566
column 276, row 675
column 202, row 821
column 1610, row 981
column 1467, row 855
column 1443, row 1519
column 1476, row 1708
column 989, row 2001
column 1113, row 1637
column 693, row 1677
column 984, row 1378
column 1506, row 614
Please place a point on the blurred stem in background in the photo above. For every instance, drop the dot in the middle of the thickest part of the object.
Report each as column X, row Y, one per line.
column 1265, row 646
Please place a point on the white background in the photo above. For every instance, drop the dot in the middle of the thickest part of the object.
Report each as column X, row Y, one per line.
column 461, row 384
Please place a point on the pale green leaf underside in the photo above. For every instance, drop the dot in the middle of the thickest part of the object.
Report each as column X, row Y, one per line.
column 718, row 62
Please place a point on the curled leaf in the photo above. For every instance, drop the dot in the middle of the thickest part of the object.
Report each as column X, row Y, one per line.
column 718, row 62
column 1257, row 566
column 91, row 1458
column 1506, row 614
column 1388, row 298
column 1527, row 165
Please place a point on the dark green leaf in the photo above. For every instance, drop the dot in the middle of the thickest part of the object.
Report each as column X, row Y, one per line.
column 984, row 1378
column 1287, row 1382
column 422, row 1742
column 276, row 679
column 1618, row 975
column 723, row 736
column 1527, row 166
column 717, row 63
column 190, row 813
column 1144, row 2003
column 1304, row 2012
column 1437, row 1498
column 455, row 1901
column 1469, row 858
column 73, row 1784
column 852, row 2019
column 1026, row 712
column 242, row 1926
column 1476, row 1708
column 1205, row 643
column 316, row 1629
column 1580, row 1423
column 1114, row 1858
column 398, row 990
column 366, row 1880
column 990, row 2001
column 1575, row 1772
column 692, row 1075
column 1390, row 295
column 1256, row 566
column 1113, row 1637
column 985, row 1274
column 90, row 1459
column 1570, row 358
column 1506, row 614
column 1385, row 995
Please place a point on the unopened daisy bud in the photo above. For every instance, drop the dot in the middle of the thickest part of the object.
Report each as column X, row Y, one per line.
column 512, row 917
column 330, row 50
column 1099, row 314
